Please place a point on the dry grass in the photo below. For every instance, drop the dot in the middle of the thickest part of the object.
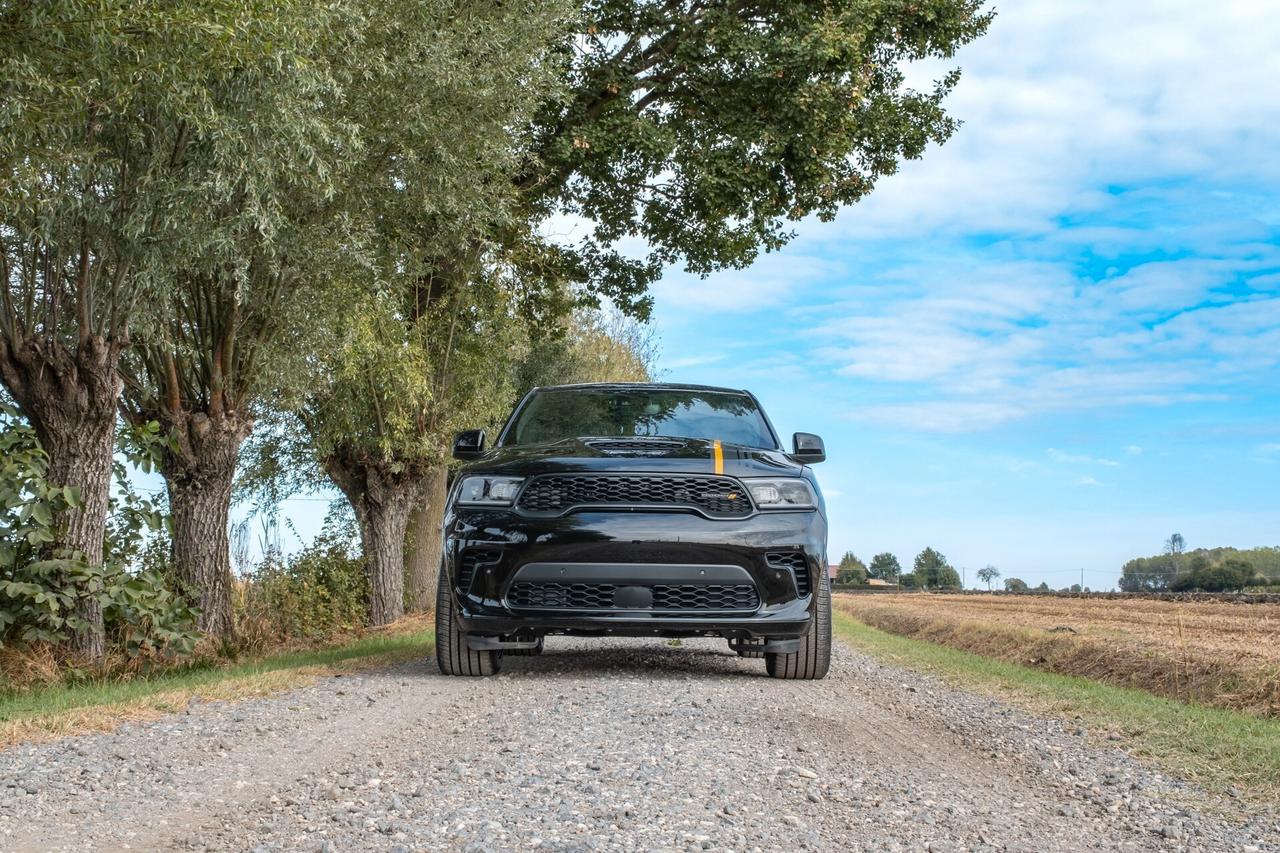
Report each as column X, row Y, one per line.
column 1218, row 654
column 63, row 709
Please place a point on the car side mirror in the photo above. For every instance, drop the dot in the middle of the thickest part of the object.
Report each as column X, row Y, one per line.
column 808, row 448
column 469, row 444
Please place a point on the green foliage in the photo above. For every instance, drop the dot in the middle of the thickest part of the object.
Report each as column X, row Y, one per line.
column 590, row 345
column 418, row 334
column 932, row 571
column 1230, row 575
column 988, row 574
column 39, row 587
column 135, row 138
column 852, row 570
column 315, row 594
column 885, row 567
column 908, row 581
column 704, row 128
column 1148, row 574
column 1015, row 585
column 1162, row 571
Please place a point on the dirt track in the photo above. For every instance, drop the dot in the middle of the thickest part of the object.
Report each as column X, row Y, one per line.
column 617, row 745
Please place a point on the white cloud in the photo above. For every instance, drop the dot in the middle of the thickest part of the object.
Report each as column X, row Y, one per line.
column 1080, row 458
column 940, row 415
column 690, row 361
column 1087, row 481
column 1060, row 98
column 772, row 280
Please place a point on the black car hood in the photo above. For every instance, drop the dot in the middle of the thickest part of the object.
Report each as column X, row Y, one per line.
column 658, row 455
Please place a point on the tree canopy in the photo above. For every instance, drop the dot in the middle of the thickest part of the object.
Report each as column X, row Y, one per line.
column 932, row 571
column 852, row 570
column 703, row 127
column 885, row 567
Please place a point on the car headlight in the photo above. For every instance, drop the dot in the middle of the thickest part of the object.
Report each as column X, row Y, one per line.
column 786, row 493
column 489, row 491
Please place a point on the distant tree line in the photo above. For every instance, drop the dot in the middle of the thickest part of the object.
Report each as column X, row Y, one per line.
column 930, row 571
column 1206, row 569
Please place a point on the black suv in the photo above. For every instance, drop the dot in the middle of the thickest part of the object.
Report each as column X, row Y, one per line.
column 635, row 510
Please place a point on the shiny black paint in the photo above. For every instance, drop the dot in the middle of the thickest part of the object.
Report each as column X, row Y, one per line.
column 624, row 535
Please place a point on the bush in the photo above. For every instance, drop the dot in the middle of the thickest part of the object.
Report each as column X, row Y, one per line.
column 1228, row 576
column 39, row 588
column 318, row 593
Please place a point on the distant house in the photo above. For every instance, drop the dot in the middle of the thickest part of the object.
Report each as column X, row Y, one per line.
column 878, row 582
column 832, row 572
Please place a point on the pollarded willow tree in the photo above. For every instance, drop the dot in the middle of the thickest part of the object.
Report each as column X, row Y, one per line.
column 228, row 310
column 389, row 119
column 104, row 106
column 392, row 390
column 445, row 102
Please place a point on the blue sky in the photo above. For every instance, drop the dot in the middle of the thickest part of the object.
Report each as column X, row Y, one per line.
column 1055, row 340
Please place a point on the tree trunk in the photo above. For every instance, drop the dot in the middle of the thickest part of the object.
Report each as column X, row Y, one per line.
column 426, row 541
column 199, row 474
column 70, row 399
column 382, row 500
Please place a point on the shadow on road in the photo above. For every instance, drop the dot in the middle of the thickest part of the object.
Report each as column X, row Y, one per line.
column 573, row 657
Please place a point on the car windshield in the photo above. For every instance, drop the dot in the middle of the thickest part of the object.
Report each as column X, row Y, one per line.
column 557, row 414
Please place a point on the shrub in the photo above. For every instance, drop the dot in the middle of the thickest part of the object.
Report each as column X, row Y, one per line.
column 1229, row 575
column 39, row 588
column 313, row 595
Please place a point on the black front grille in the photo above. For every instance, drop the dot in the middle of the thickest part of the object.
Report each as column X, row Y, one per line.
column 666, row 597
column 716, row 496
column 794, row 561
column 471, row 560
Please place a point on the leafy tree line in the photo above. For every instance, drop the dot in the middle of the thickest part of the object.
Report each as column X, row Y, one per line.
column 930, row 571
column 305, row 242
column 1207, row 569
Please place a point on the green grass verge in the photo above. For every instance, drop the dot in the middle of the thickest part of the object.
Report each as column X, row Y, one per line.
column 65, row 708
column 1220, row 749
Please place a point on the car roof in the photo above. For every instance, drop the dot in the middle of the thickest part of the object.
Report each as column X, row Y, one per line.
column 642, row 386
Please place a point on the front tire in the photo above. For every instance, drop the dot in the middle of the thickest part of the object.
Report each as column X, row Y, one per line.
column 813, row 659
column 453, row 656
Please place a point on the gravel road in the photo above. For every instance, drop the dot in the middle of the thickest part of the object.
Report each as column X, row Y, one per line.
column 607, row 745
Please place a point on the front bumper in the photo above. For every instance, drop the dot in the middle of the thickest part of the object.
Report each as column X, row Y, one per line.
column 623, row 548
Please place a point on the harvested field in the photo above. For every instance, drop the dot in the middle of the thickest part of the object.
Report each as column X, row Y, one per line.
column 1223, row 654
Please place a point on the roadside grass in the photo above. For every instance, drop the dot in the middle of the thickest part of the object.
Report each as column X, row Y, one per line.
column 59, row 710
column 1220, row 749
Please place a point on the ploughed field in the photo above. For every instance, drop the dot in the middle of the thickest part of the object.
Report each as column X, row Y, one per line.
column 1220, row 653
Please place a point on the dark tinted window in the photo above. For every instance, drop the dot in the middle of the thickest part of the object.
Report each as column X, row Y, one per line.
column 554, row 415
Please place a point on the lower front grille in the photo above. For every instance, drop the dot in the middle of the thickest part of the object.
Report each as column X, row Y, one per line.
column 794, row 561
column 473, row 559
column 667, row 598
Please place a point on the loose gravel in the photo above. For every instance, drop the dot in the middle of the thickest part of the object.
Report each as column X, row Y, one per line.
column 609, row 745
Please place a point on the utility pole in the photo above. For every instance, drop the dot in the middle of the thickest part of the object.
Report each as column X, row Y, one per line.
column 1082, row 579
